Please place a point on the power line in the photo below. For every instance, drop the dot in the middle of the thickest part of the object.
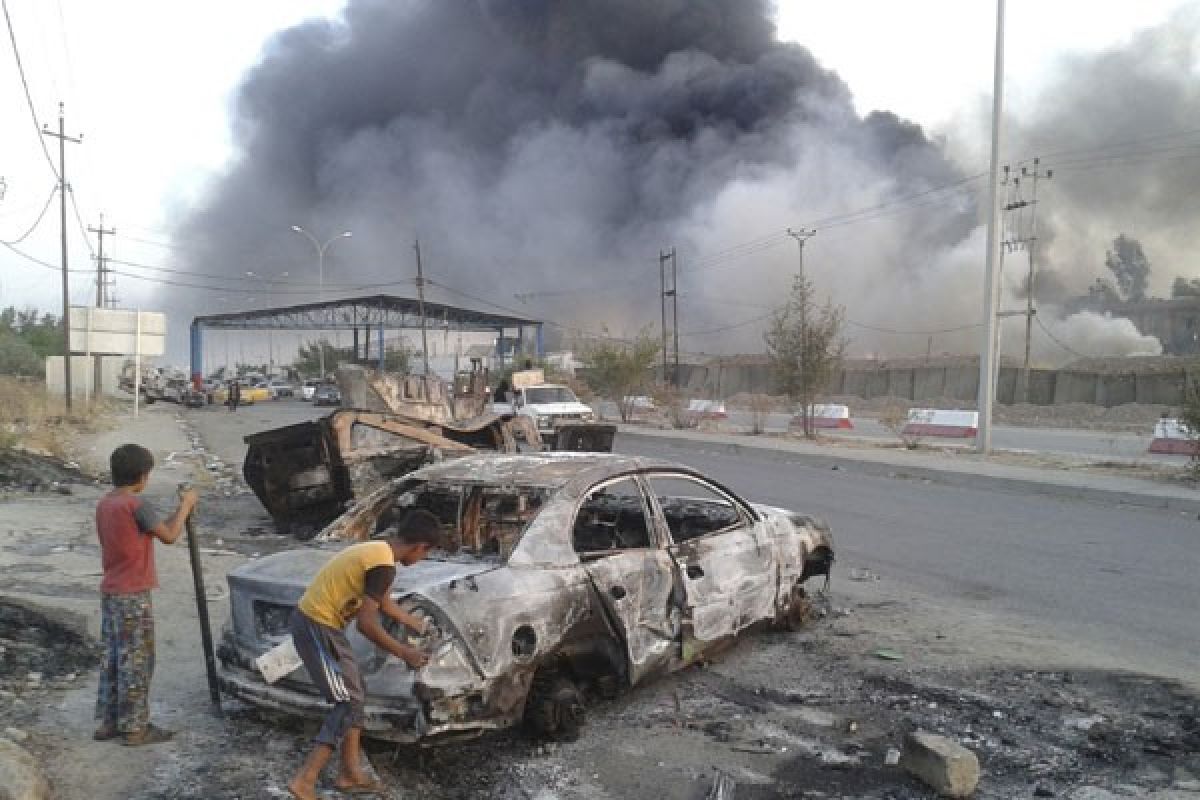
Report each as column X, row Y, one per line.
column 36, row 222
column 1058, row 341
column 12, row 36
column 879, row 329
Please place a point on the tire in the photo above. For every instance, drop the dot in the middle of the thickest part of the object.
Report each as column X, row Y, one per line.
column 795, row 617
column 554, row 708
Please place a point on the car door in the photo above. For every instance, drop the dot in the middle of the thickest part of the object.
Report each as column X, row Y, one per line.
column 620, row 548
column 725, row 568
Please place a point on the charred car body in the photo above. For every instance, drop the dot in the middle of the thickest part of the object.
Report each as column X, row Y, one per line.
column 563, row 575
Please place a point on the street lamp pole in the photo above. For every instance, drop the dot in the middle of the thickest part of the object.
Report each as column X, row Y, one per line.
column 321, row 248
column 262, row 279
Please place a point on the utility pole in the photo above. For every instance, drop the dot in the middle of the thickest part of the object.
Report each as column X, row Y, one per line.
column 801, row 236
column 103, row 299
column 1034, row 175
column 421, row 306
column 987, row 386
column 63, row 188
column 669, row 291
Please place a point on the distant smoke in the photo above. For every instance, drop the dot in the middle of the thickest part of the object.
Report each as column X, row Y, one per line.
column 542, row 145
column 537, row 146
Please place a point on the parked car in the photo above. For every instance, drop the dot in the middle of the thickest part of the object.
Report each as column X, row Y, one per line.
column 562, row 574
column 280, row 389
column 327, row 395
column 309, row 389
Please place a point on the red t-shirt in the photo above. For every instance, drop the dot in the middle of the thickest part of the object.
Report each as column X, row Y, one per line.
column 123, row 525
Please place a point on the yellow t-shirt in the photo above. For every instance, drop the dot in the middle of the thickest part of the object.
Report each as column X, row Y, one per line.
column 336, row 594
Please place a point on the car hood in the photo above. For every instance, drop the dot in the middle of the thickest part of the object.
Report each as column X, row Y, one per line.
column 558, row 408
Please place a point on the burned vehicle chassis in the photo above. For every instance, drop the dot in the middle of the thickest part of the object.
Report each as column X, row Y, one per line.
column 629, row 593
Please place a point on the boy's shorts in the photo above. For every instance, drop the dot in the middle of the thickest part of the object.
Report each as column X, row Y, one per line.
column 330, row 663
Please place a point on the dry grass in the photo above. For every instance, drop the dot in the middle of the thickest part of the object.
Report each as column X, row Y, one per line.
column 32, row 419
column 895, row 418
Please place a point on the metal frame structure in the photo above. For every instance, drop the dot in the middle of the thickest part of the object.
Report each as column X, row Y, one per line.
column 377, row 313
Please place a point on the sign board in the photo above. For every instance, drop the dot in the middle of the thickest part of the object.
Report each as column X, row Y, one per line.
column 529, row 377
column 116, row 331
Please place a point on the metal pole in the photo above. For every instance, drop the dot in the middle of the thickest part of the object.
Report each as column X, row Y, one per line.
column 421, row 304
column 662, row 284
column 988, row 355
column 321, row 297
column 66, row 295
column 210, row 664
column 675, row 315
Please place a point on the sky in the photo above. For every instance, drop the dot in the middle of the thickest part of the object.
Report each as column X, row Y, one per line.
column 148, row 86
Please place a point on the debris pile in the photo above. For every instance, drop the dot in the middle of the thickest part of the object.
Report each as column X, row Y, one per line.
column 227, row 478
column 29, row 471
column 39, row 648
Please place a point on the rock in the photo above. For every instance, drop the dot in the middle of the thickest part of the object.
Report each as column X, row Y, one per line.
column 1094, row 793
column 892, row 757
column 942, row 764
column 20, row 778
column 16, row 735
column 1041, row 790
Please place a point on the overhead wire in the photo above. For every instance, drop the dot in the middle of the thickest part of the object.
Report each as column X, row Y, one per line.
column 41, row 215
column 1056, row 340
column 12, row 36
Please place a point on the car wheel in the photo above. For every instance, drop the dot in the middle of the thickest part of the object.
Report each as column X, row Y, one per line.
column 554, row 708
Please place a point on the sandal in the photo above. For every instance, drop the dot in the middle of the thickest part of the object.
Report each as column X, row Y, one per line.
column 370, row 787
column 151, row 734
column 106, row 732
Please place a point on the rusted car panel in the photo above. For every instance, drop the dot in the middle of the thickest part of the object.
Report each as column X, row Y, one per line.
column 559, row 570
column 305, row 474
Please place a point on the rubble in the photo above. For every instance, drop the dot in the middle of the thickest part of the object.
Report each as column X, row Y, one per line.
column 944, row 765
column 20, row 778
column 37, row 645
column 30, row 471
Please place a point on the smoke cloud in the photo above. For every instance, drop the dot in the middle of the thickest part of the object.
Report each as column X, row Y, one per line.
column 545, row 151
column 539, row 148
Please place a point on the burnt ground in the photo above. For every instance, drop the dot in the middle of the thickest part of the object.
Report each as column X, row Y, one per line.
column 25, row 471
column 804, row 715
column 810, row 714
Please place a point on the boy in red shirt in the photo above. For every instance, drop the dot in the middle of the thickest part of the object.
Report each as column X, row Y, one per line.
column 127, row 527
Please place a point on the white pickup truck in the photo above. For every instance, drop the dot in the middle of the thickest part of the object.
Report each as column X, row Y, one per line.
column 563, row 422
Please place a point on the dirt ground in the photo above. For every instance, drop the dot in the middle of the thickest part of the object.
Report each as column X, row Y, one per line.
column 806, row 715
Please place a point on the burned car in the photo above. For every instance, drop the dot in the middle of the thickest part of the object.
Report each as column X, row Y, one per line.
column 563, row 575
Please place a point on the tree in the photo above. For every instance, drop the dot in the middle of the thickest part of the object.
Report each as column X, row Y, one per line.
column 621, row 370
column 1182, row 287
column 1103, row 294
column 308, row 358
column 1129, row 266
column 17, row 357
column 805, row 345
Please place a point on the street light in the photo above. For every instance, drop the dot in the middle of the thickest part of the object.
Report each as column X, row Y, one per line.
column 262, row 279
column 321, row 275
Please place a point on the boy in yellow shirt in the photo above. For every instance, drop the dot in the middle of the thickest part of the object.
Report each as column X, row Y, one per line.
column 355, row 585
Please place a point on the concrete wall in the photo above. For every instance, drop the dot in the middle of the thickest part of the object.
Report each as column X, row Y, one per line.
column 83, row 376
column 958, row 383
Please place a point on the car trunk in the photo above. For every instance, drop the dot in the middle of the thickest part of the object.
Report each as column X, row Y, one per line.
column 265, row 592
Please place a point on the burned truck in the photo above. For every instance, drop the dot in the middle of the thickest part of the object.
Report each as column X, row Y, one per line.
column 561, row 575
column 306, row 474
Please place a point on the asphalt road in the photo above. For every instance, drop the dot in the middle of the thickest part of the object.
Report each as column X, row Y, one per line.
column 1069, row 442
column 1116, row 579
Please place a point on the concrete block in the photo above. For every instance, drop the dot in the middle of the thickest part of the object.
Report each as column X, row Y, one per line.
column 942, row 764
column 1041, row 386
column 929, row 383
column 20, row 778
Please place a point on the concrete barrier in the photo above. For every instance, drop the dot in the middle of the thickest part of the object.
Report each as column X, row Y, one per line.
column 936, row 422
column 1172, row 437
column 826, row 416
column 707, row 409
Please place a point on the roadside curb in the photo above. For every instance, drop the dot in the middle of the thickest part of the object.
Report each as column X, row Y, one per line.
column 20, row 778
column 961, row 476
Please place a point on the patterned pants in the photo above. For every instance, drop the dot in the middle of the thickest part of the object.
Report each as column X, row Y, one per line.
column 127, row 628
